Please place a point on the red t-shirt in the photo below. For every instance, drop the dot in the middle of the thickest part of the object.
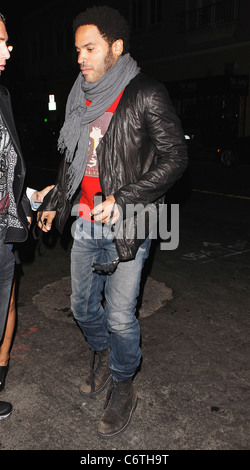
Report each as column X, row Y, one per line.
column 90, row 184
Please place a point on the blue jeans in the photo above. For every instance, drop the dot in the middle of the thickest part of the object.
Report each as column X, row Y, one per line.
column 111, row 323
column 7, row 265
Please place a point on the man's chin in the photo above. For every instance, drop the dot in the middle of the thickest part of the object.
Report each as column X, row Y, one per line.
column 89, row 79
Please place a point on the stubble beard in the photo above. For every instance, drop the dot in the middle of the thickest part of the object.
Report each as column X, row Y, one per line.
column 109, row 62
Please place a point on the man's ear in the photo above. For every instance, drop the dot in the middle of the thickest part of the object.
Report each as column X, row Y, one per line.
column 117, row 47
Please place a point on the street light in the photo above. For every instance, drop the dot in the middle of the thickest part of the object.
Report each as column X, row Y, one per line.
column 52, row 103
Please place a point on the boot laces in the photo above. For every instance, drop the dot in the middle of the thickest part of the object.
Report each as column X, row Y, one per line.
column 113, row 392
column 116, row 392
column 100, row 355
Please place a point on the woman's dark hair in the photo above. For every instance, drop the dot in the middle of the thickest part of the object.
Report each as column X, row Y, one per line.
column 111, row 24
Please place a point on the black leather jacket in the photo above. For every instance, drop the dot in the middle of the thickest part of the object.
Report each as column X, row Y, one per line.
column 142, row 154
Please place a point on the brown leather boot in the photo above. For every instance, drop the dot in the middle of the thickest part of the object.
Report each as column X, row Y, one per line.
column 122, row 401
column 99, row 374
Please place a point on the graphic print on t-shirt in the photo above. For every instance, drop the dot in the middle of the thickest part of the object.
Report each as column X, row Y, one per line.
column 97, row 130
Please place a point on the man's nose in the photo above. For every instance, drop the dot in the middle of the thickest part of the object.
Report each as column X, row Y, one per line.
column 5, row 52
column 81, row 57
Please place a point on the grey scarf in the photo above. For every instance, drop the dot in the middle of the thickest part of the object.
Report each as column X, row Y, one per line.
column 74, row 135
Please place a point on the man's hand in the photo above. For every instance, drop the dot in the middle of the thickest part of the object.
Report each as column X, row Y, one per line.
column 45, row 222
column 102, row 212
column 38, row 196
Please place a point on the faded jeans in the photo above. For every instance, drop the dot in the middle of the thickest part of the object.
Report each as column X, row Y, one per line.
column 111, row 323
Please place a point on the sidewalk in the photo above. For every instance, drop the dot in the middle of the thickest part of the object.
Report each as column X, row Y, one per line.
column 192, row 386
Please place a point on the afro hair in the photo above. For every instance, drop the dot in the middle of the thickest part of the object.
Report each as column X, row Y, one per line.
column 111, row 24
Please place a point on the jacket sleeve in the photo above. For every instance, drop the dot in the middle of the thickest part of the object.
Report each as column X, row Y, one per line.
column 165, row 132
column 56, row 200
column 25, row 203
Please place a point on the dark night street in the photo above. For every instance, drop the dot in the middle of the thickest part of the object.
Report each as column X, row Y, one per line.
column 194, row 304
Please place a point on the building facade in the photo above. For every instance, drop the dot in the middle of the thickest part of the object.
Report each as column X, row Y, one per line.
column 199, row 48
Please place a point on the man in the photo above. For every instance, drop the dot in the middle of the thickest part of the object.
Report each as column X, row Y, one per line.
column 15, row 210
column 121, row 138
